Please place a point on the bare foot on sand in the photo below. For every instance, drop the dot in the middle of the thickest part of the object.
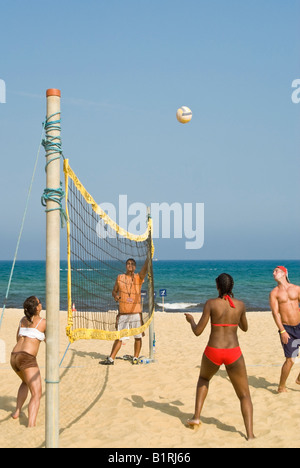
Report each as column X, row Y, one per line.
column 193, row 423
column 283, row 389
column 16, row 414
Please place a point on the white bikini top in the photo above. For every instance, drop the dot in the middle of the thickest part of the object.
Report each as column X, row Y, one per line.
column 32, row 332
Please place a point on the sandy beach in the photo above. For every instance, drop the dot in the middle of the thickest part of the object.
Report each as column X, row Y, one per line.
column 146, row 406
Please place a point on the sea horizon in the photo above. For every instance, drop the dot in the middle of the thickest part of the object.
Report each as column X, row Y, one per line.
column 187, row 284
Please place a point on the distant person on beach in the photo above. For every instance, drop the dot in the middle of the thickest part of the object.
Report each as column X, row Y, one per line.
column 31, row 332
column 284, row 302
column 127, row 292
column 226, row 315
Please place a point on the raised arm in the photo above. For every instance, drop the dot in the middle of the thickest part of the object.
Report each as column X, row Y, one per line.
column 144, row 270
column 200, row 326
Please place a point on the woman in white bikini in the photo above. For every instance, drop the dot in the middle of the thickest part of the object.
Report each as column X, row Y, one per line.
column 31, row 332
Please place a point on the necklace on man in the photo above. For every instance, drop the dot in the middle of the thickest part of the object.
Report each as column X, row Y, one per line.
column 129, row 299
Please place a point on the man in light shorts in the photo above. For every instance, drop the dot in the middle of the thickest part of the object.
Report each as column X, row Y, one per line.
column 127, row 292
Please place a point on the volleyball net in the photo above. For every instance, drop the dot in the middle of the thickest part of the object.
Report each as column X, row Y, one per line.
column 98, row 249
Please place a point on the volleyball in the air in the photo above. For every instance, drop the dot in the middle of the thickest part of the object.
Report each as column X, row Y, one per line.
column 184, row 114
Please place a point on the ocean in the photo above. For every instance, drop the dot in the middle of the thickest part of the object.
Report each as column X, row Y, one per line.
column 187, row 284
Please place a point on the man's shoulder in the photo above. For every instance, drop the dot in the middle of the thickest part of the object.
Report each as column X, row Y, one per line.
column 294, row 289
column 274, row 290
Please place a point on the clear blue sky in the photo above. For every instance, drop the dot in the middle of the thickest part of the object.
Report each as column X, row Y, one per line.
column 124, row 67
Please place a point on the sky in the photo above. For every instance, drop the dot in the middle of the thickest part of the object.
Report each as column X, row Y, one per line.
column 124, row 67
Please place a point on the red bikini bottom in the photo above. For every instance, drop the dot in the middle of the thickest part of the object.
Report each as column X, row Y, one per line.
column 223, row 356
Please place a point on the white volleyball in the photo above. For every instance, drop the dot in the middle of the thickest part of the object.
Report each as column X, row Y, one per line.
column 184, row 114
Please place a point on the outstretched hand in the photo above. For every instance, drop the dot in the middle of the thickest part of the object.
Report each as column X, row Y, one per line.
column 189, row 317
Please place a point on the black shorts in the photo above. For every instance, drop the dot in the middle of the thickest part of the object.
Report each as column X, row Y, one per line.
column 291, row 349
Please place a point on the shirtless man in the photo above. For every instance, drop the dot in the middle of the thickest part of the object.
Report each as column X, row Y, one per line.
column 284, row 302
column 127, row 292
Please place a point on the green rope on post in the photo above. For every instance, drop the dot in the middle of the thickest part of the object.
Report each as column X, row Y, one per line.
column 55, row 195
column 52, row 145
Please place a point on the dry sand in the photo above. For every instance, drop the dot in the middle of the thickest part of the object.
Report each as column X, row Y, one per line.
column 125, row 406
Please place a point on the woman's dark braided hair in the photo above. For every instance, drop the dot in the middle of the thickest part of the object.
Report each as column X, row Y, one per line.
column 225, row 285
column 30, row 306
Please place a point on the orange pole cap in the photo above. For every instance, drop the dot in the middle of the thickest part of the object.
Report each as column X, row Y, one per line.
column 53, row 92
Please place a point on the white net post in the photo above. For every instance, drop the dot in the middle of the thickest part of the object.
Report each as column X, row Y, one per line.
column 150, row 291
column 52, row 275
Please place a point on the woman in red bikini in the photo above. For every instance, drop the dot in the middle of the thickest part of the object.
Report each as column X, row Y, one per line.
column 226, row 314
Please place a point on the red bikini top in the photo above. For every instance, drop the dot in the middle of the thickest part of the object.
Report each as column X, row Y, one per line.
column 225, row 324
column 227, row 298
